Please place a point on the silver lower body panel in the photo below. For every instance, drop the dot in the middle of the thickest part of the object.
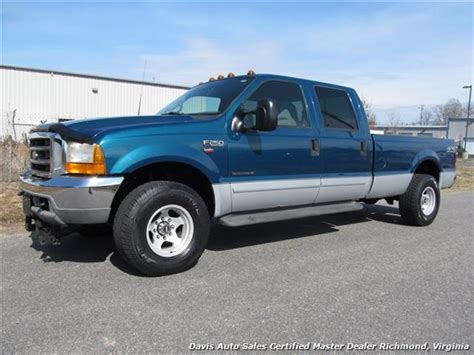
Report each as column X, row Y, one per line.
column 447, row 179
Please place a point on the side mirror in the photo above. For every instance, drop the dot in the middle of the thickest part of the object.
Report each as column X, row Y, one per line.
column 267, row 115
column 266, row 118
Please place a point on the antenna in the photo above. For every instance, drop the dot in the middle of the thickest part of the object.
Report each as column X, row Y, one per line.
column 141, row 91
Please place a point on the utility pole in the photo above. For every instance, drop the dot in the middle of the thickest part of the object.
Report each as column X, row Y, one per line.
column 468, row 113
column 421, row 114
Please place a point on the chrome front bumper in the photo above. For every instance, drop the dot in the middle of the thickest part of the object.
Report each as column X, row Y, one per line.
column 68, row 200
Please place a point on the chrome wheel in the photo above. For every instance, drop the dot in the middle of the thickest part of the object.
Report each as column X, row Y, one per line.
column 428, row 201
column 170, row 230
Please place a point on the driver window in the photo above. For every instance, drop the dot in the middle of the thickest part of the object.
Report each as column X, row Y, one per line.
column 288, row 100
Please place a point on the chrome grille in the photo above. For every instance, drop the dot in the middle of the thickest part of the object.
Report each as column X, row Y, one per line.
column 46, row 154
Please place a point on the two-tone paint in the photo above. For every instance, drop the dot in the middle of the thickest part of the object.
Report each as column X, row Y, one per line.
column 261, row 170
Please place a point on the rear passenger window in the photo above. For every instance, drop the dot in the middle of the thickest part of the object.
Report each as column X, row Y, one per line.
column 336, row 109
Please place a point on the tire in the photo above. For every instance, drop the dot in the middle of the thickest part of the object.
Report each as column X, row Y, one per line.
column 417, row 206
column 161, row 228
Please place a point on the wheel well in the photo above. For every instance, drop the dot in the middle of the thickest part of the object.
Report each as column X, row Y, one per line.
column 428, row 167
column 177, row 172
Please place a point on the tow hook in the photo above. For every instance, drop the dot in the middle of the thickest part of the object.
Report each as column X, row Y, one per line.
column 45, row 234
column 29, row 225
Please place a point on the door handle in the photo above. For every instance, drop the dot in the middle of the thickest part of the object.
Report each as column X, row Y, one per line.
column 363, row 148
column 315, row 147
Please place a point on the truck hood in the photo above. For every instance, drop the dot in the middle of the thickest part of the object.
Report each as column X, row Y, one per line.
column 93, row 127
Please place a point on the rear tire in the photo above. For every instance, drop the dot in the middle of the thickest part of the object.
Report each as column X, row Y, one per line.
column 161, row 228
column 419, row 205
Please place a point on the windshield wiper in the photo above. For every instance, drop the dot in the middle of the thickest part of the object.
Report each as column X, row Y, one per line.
column 203, row 113
column 172, row 113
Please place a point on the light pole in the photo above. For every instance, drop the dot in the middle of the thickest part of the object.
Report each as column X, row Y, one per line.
column 468, row 113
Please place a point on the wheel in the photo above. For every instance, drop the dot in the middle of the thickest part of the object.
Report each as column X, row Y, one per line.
column 161, row 228
column 419, row 205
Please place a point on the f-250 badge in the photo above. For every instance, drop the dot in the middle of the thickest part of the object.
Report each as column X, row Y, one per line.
column 210, row 144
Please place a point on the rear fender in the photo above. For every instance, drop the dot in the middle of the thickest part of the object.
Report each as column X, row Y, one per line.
column 423, row 156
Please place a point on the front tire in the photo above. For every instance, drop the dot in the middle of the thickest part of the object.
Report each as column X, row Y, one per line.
column 419, row 205
column 161, row 228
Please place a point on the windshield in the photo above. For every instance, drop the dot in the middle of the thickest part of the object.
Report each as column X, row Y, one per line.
column 211, row 98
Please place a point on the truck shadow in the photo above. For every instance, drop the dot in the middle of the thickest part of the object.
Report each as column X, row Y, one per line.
column 98, row 246
column 224, row 238
column 84, row 248
column 77, row 248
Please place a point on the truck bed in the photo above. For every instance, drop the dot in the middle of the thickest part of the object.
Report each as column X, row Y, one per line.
column 395, row 159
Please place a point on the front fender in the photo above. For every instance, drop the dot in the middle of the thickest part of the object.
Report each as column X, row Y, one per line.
column 127, row 159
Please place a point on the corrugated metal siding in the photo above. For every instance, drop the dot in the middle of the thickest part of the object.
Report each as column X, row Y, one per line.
column 457, row 129
column 39, row 96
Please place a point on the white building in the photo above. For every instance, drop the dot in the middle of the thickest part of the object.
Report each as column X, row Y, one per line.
column 457, row 131
column 429, row 131
column 32, row 96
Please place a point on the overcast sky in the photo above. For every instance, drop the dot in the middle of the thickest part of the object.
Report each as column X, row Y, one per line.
column 395, row 54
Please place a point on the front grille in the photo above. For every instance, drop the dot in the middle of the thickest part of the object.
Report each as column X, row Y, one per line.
column 46, row 154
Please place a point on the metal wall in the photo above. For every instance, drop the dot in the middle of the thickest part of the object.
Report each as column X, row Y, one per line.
column 42, row 96
column 418, row 131
column 457, row 131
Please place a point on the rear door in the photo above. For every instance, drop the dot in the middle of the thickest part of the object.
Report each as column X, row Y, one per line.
column 345, row 145
column 277, row 168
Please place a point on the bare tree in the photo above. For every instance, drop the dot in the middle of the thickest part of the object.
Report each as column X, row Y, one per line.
column 394, row 122
column 393, row 119
column 451, row 109
column 426, row 118
column 371, row 117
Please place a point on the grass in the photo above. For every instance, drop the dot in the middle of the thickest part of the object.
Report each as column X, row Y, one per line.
column 464, row 176
column 11, row 210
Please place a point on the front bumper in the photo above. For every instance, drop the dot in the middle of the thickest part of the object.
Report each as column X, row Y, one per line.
column 69, row 200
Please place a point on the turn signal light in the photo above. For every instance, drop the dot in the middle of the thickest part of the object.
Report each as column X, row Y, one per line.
column 97, row 167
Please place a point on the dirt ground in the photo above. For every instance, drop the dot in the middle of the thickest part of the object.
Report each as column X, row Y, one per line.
column 12, row 214
column 11, row 210
column 465, row 175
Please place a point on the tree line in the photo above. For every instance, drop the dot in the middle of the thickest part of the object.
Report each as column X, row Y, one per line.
column 441, row 113
column 438, row 115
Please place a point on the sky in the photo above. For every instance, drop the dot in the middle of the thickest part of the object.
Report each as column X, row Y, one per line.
column 397, row 55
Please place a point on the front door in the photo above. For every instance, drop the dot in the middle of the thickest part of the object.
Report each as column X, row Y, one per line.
column 277, row 168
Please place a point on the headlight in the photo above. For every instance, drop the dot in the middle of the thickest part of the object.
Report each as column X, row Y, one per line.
column 82, row 158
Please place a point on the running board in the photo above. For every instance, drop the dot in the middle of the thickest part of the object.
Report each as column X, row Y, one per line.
column 255, row 217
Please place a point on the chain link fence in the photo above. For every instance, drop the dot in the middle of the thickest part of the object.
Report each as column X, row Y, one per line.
column 14, row 151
